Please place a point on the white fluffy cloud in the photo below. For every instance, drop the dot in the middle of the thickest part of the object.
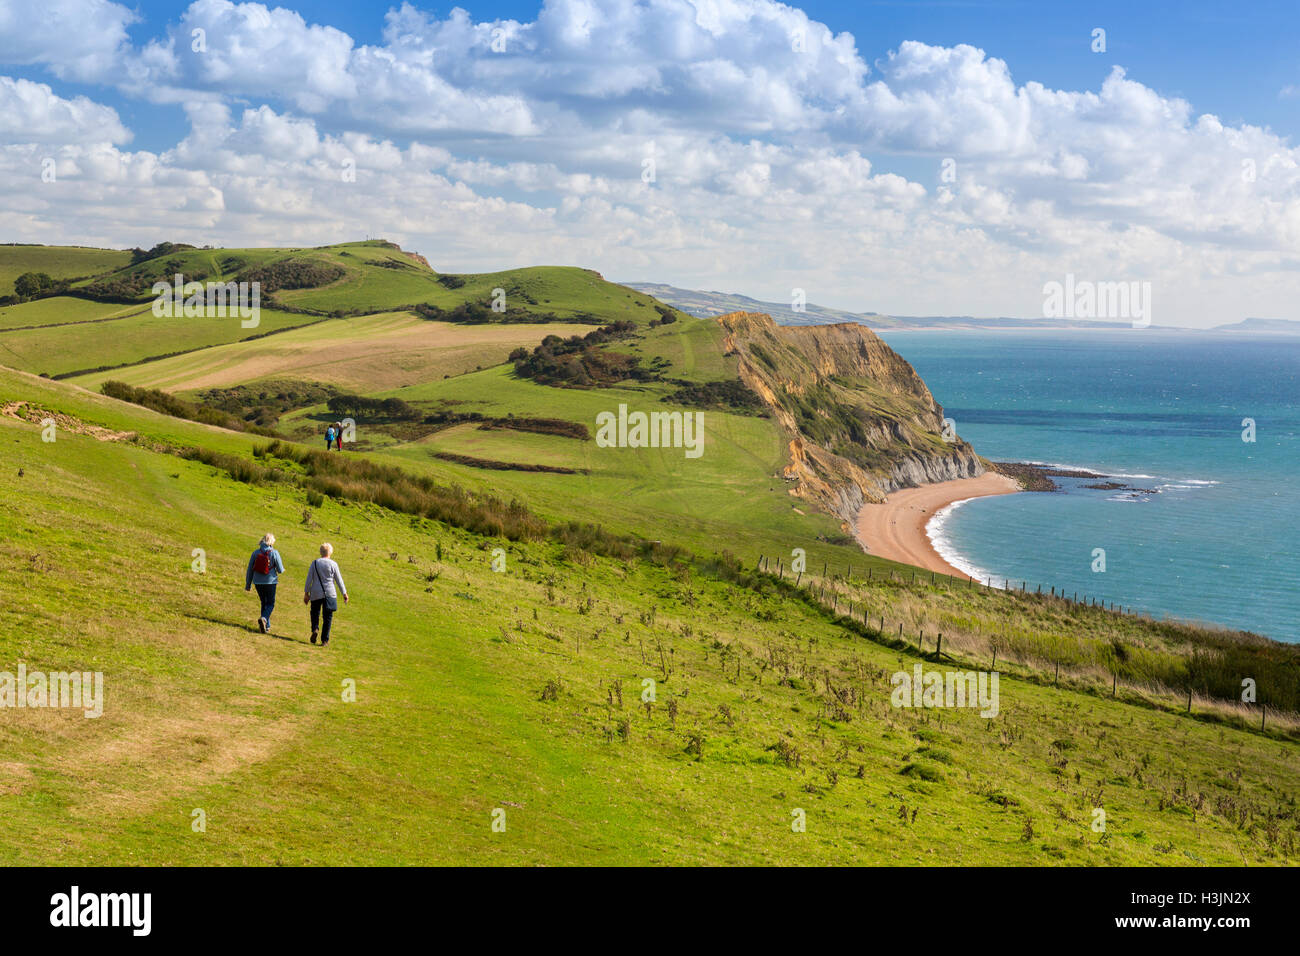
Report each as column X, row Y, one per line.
column 32, row 112
column 75, row 39
column 485, row 144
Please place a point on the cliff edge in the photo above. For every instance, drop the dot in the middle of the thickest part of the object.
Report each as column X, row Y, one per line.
column 860, row 422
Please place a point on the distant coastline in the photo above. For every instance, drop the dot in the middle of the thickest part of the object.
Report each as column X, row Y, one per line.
column 710, row 304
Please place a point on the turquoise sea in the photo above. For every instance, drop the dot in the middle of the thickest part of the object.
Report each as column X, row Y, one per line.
column 1211, row 532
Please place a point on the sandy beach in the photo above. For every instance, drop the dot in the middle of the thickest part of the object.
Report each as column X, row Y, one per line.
column 896, row 528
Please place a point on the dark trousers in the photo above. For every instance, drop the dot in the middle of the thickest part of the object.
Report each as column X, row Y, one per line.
column 267, row 593
column 317, row 606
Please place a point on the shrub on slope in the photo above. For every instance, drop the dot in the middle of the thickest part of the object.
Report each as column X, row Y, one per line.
column 166, row 404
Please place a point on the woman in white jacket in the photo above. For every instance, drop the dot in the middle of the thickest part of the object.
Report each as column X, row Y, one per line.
column 324, row 585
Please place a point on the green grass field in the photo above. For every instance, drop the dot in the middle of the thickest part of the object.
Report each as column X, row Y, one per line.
column 369, row 353
column 563, row 291
column 731, row 492
column 763, row 706
column 62, row 310
column 135, row 337
column 57, row 262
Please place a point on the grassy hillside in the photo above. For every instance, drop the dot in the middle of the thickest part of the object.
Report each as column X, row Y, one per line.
column 563, row 291
column 62, row 310
column 833, row 414
column 368, row 353
column 361, row 278
column 838, row 415
column 520, row 691
column 134, row 335
column 57, row 262
column 104, row 323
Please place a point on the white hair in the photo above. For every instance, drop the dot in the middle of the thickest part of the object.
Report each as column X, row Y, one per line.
column 268, row 538
column 326, row 549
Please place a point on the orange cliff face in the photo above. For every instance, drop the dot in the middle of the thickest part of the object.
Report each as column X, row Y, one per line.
column 860, row 422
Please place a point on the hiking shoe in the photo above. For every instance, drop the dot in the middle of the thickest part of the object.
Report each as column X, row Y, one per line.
column 261, row 624
column 313, row 637
column 324, row 642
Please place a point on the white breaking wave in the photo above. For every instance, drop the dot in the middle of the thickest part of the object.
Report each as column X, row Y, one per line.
column 934, row 530
column 936, row 527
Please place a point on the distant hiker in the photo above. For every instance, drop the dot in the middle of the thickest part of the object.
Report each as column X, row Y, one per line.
column 338, row 434
column 324, row 585
column 264, row 569
column 329, row 438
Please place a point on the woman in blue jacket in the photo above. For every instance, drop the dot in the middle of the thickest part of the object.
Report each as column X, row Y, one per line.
column 264, row 569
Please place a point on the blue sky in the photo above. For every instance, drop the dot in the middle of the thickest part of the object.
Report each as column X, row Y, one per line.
column 1231, row 59
column 816, row 165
